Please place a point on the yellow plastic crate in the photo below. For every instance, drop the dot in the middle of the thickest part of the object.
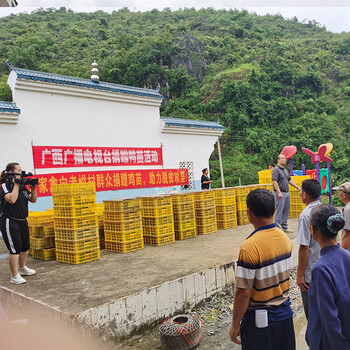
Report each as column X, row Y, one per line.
column 182, row 198
column 241, row 206
column 185, row 234
column 77, row 258
column 184, row 216
column 204, row 195
column 122, row 215
column 201, row 213
column 241, row 193
column 99, row 210
column 294, row 213
column 158, row 230
column 203, row 230
column 73, row 189
column 183, row 207
column 78, row 246
column 74, row 212
column 206, row 220
column 124, row 247
column 41, row 243
column 162, row 211
column 225, row 200
column 223, row 209
column 225, row 192
column 208, row 204
column 157, row 221
column 267, row 186
column 31, row 251
column 184, row 225
column 298, row 180
column 297, row 207
column 74, row 201
column 226, row 216
column 40, row 218
column 155, row 201
column 159, row 240
column 123, row 237
column 41, row 231
column 77, row 234
column 242, row 217
column 122, row 204
column 122, row 226
column 75, row 223
column 296, row 199
column 45, row 254
column 227, row 224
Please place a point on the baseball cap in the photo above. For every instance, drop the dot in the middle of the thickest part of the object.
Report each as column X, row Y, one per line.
column 345, row 187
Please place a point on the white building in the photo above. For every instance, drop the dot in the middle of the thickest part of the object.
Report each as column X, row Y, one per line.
column 61, row 111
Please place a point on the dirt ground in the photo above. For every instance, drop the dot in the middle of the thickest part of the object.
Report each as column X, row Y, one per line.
column 75, row 288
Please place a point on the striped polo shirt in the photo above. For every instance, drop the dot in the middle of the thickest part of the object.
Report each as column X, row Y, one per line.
column 263, row 267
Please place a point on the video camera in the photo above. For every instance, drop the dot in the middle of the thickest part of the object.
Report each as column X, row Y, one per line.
column 23, row 180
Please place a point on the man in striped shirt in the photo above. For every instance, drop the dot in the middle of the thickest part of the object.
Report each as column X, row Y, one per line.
column 262, row 315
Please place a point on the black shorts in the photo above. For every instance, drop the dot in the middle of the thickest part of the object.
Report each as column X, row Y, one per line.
column 15, row 234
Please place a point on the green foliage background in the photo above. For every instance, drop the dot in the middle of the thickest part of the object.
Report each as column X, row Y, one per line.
column 272, row 82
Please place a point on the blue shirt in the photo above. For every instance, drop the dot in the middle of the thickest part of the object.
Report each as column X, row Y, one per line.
column 329, row 301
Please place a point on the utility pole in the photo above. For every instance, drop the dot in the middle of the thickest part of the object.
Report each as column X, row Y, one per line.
column 221, row 169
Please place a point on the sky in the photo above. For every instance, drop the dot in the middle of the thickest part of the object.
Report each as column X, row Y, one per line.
column 333, row 14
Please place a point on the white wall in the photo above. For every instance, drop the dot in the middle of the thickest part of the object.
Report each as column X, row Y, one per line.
column 63, row 120
column 196, row 148
column 56, row 115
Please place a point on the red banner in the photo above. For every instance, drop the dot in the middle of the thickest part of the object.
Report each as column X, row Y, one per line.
column 115, row 180
column 65, row 157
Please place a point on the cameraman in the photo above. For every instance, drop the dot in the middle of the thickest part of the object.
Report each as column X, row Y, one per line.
column 14, row 197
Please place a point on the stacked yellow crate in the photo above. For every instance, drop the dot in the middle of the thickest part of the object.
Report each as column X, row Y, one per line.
column 205, row 211
column 157, row 220
column 267, row 186
column 100, row 209
column 265, row 176
column 226, row 214
column 41, row 235
column 184, row 215
column 123, row 225
column 76, row 222
column 296, row 204
column 241, row 204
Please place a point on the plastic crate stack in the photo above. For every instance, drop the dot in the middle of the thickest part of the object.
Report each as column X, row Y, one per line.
column 268, row 187
column 265, row 176
column 100, row 209
column 123, row 225
column 241, row 204
column 41, row 235
column 296, row 204
column 157, row 220
column 226, row 214
column 76, row 222
column 184, row 215
column 205, row 207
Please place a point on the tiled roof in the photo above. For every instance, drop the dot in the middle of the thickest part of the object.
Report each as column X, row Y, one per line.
column 86, row 83
column 189, row 123
column 9, row 107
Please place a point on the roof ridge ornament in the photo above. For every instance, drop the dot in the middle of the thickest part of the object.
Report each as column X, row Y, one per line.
column 9, row 65
column 94, row 77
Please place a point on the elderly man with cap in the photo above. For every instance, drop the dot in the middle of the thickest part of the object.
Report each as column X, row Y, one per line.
column 344, row 196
